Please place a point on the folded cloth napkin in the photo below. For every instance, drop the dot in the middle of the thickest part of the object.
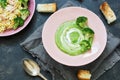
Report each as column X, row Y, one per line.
column 33, row 44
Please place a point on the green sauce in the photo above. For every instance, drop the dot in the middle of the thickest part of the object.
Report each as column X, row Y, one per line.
column 73, row 39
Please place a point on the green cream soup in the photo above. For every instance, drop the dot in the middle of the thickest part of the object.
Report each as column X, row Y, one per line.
column 74, row 37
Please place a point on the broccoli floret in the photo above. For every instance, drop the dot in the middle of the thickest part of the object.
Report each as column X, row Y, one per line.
column 89, row 34
column 85, row 45
column 24, row 3
column 18, row 21
column 24, row 13
column 82, row 21
column 3, row 3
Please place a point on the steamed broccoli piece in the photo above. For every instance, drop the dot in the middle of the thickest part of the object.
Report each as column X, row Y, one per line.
column 89, row 34
column 24, row 3
column 3, row 3
column 85, row 45
column 24, row 13
column 18, row 22
column 82, row 21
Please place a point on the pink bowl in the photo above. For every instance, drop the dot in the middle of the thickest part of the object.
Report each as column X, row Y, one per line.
column 70, row 13
column 11, row 32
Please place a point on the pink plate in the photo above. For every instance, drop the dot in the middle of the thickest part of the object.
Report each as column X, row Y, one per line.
column 11, row 32
column 70, row 13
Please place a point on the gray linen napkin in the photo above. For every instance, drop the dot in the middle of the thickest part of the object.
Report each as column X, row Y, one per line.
column 33, row 45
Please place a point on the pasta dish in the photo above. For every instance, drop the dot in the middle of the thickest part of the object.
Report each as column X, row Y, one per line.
column 13, row 13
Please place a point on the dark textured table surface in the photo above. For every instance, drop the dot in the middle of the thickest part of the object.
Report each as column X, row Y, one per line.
column 11, row 54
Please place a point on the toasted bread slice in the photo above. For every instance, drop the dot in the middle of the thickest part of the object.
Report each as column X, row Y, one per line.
column 107, row 12
column 51, row 7
column 84, row 75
